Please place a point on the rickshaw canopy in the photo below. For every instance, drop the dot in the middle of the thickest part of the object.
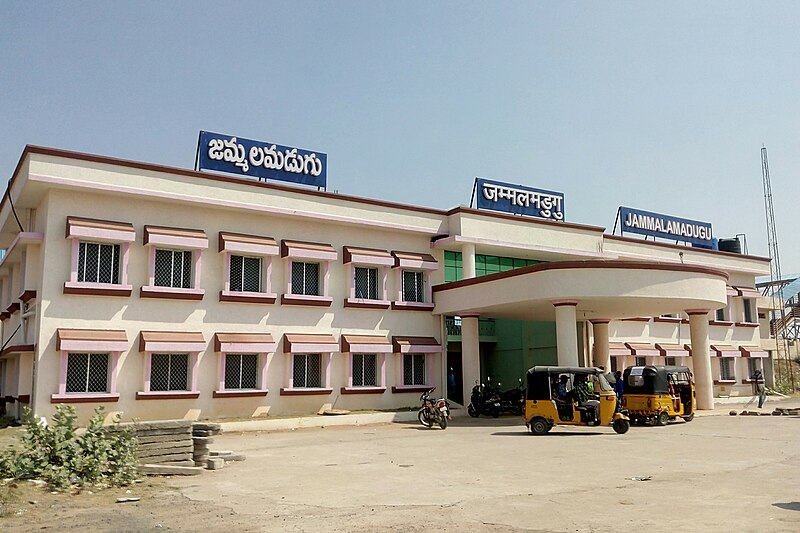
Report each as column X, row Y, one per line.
column 653, row 379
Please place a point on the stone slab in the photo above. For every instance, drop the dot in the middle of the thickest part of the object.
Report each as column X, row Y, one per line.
column 166, row 458
column 150, row 439
column 215, row 463
column 166, row 445
column 209, row 426
column 202, row 440
column 169, row 470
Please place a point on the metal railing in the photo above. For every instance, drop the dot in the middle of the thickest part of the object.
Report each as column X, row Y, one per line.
column 485, row 327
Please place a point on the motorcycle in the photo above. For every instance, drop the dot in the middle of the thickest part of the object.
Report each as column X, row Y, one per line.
column 513, row 400
column 484, row 400
column 433, row 410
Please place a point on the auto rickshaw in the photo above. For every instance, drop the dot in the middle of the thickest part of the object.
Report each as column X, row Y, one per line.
column 657, row 394
column 551, row 399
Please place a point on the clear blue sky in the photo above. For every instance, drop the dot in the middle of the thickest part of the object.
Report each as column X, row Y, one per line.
column 660, row 107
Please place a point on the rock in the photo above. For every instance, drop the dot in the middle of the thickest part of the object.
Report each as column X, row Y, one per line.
column 732, row 413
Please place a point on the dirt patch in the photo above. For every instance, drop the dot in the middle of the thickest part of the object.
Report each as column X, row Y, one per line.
column 27, row 507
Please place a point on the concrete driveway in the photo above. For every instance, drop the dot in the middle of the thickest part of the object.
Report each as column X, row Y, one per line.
column 717, row 473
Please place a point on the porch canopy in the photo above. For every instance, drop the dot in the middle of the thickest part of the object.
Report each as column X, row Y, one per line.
column 602, row 289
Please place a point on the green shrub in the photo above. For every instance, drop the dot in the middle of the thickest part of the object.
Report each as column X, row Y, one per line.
column 56, row 454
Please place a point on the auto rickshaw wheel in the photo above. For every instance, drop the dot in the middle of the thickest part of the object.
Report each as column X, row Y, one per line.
column 689, row 418
column 539, row 426
column 621, row 426
column 663, row 418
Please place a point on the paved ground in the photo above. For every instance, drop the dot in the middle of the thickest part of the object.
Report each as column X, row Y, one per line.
column 717, row 473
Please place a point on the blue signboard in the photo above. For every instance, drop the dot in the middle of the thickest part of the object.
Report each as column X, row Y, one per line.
column 261, row 160
column 665, row 226
column 520, row 200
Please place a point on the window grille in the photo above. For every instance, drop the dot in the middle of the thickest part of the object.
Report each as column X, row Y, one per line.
column 98, row 263
column 366, row 283
column 726, row 368
column 241, row 371
column 365, row 370
column 721, row 314
column 245, row 274
column 640, row 361
column 305, row 278
column 87, row 372
column 670, row 361
column 169, row 371
column 414, row 369
column 307, row 371
column 413, row 286
column 173, row 268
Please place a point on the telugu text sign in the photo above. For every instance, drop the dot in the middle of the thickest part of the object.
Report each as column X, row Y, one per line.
column 226, row 153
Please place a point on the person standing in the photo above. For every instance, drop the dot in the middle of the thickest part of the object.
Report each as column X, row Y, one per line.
column 760, row 389
column 619, row 385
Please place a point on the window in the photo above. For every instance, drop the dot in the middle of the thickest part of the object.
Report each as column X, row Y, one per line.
column 305, row 278
column 413, row 286
column 241, row 371
column 245, row 274
column 365, row 369
column 670, row 361
column 87, row 372
column 368, row 274
column 753, row 364
column 307, row 371
column 174, row 256
column 366, row 283
column 88, row 368
column 726, row 369
column 747, row 303
column 169, row 372
column 640, row 361
column 414, row 369
column 98, row 263
column 720, row 314
column 173, row 268
column 307, row 272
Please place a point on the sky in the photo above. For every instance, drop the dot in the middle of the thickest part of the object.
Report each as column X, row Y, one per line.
column 661, row 107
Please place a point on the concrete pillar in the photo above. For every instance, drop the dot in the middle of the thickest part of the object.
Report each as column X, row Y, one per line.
column 470, row 354
column 567, row 332
column 698, row 332
column 600, row 353
column 467, row 261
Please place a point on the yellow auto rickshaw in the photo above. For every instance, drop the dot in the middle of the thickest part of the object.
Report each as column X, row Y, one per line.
column 571, row 396
column 655, row 395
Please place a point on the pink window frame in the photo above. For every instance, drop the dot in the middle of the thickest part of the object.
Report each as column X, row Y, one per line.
column 193, row 364
column 266, row 275
column 123, row 274
column 66, row 397
column 326, row 372
column 263, row 358
column 428, row 371
column 325, row 276
column 380, row 387
column 383, row 275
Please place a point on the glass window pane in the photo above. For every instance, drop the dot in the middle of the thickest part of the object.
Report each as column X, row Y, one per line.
column 77, row 369
column 92, row 259
column 236, row 272
column 98, row 372
column 358, row 370
column 187, row 270
column 82, row 261
column 179, row 371
column 233, row 371
column 163, row 268
column 249, row 371
column 298, row 277
column 251, row 274
column 299, row 371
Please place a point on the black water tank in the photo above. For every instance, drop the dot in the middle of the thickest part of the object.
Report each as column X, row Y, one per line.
column 730, row 245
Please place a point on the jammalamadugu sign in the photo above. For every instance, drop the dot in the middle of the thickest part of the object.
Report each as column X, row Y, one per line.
column 665, row 226
column 519, row 199
column 263, row 160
